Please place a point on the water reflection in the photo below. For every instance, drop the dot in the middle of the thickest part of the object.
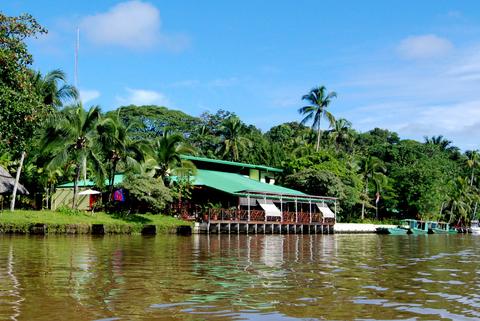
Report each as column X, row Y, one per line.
column 239, row 277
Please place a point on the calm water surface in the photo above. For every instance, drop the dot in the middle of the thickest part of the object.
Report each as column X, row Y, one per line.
column 273, row 277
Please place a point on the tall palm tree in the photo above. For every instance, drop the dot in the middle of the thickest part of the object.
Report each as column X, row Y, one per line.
column 374, row 170
column 54, row 95
column 73, row 140
column 473, row 162
column 341, row 132
column 461, row 201
column 440, row 141
column 233, row 140
column 118, row 147
column 53, row 88
column 167, row 152
column 319, row 101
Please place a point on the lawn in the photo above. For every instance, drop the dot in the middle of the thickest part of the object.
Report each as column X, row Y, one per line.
column 61, row 222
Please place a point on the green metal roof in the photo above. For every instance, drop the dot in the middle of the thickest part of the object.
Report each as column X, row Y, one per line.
column 235, row 183
column 224, row 162
column 88, row 183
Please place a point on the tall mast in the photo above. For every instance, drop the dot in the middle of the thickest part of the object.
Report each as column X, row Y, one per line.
column 77, row 46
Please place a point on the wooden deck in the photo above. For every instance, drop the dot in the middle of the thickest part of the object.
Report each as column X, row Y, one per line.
column 255, row 222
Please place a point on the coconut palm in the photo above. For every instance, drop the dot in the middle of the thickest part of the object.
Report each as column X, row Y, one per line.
column 374, row 170
column 233, row 140
column 319, row 101
column 167, row 152
column 341, row 132
column 461, row 200
column 443, row 143
column 53, row 88
column 473, row 162
column 52, row 95
column 73, row 141
column 118, row 147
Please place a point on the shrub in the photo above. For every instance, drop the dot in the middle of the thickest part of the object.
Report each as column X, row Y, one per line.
column 145, row 194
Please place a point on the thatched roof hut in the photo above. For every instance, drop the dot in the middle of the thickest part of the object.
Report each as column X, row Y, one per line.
column 7, row 182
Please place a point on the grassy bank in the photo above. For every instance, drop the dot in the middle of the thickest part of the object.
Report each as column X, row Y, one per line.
column 81, row 222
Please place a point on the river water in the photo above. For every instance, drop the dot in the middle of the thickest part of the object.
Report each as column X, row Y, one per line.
column 240, row 277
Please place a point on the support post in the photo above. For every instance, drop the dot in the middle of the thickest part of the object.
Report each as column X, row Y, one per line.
column 265, row 200
column 335, row 211
column 248, row 200
column 310, row 206
column 296, row 211
column 281, row 208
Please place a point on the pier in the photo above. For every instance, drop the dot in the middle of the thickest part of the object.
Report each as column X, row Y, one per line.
column 225, row 221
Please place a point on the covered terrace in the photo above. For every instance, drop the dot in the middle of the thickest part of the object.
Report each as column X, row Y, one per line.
column 234, row 198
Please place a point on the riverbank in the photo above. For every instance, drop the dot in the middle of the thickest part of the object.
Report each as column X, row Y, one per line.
column 77, row 222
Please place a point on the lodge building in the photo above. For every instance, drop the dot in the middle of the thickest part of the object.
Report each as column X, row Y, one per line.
column 233, row 197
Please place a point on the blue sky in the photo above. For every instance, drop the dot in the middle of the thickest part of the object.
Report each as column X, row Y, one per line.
column 408, row 66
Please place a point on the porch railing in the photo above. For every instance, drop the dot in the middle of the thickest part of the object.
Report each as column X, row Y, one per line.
column 220, row 214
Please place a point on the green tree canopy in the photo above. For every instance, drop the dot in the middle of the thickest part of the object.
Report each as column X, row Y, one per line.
column 147, row 122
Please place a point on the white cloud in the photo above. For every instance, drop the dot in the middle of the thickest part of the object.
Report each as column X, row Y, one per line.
column 469, row 67
column 87, row 95
column 144, row 97
column 424, row 46
column 223, row 82
column 418, row 99
column 133, row 24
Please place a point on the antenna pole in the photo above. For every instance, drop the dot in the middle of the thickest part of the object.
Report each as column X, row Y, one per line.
column 77, row 46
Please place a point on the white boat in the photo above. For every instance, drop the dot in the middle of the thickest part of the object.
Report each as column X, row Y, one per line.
column 475, row 228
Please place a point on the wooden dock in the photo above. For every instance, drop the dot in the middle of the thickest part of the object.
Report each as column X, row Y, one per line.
column 223, row 221
column 252, row 227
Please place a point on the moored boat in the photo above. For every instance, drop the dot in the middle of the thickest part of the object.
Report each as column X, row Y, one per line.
column 440, row 228
column 475, row 228
column 415, row 227
column 392, row 230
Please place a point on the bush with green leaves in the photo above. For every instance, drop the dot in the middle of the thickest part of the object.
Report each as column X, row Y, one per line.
column 145, row 194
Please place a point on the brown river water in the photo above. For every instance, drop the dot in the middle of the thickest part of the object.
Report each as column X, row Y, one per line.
column 240, row 277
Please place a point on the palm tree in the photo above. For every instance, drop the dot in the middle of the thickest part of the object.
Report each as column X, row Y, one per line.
column 473, row 162
column 440, row 141
column 167, row 150
column 73, row 140
column 373, row 169
column 233, row 140
column 340, row 132
column 48, row 88
column 319, row 101
column 53, row 88
column 461, row 200
column 118, row 147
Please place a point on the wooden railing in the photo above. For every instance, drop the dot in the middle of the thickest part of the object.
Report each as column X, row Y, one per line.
column 220, row 214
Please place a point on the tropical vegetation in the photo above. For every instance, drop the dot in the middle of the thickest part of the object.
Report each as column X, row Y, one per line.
column 375, row 174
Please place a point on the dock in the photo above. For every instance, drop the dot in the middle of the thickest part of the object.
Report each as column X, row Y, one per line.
column 221, row 221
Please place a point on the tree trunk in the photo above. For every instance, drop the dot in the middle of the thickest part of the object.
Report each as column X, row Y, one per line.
column 319, row 134
column 111, row 180
column 75, row 186
column 47, row 188
column 17, row 179
column 363, row 203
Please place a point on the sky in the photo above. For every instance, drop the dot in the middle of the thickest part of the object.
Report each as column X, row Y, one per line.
column 408, row 66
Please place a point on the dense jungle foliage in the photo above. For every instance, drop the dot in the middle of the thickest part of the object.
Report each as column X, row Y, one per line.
column 376, row 174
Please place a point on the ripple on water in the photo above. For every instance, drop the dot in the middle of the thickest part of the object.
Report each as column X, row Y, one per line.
column 281, row 278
